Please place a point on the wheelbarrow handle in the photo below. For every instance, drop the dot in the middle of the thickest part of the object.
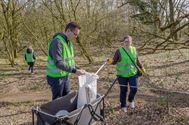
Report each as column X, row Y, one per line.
column 110, row 88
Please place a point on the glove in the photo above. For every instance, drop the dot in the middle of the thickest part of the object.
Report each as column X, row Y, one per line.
column 109, row 61
column 143, row 71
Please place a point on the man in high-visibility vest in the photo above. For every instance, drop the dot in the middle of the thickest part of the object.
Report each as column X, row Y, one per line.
column 61, row 60
column 30, row 59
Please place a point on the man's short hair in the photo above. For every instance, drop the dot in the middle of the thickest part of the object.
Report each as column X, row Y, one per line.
column 72, row 26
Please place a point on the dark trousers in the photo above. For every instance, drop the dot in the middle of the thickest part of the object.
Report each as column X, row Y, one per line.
column 133, row 82
column 31, row 65
column 59, row 86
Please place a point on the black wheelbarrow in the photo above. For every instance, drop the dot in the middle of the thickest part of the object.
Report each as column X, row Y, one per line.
column 88, row 114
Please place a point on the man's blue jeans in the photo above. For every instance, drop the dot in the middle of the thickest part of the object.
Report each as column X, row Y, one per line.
column 59, row 86
column 133, row 84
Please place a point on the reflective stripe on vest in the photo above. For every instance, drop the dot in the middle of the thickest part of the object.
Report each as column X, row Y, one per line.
column 64, row 60
column 29, row 57
column 128, row 71
column 125, row 67
column 67, row 57
column 55, row 70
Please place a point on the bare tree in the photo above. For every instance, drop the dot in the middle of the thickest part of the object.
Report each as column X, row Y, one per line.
column 167, row 18
column 11, row 24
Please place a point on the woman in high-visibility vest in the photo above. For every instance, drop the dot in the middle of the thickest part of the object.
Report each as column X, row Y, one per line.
column 30, row 59
column 124, row 58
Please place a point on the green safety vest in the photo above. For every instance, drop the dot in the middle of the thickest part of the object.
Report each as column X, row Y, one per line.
column 67, row 57
column 125, row 67
column 29, row 57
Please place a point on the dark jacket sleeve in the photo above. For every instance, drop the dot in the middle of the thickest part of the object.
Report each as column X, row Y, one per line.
column 116, row 57
column 25, row 57
column 34, row 56
column 56, row 54
column 139, row 63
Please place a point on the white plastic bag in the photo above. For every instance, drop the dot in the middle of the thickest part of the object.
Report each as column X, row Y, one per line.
column 87, row 89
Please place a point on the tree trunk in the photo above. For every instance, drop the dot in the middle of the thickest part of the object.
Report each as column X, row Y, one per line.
column 155, row 15
column 172, row 20
column 15, row 53
column 84, row 51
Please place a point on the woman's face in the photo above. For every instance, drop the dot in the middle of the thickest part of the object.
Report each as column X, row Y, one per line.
column 128, row 41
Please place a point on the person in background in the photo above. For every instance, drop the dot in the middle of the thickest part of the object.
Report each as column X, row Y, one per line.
column 30, row 59
column 127, row 71
column 61, row 60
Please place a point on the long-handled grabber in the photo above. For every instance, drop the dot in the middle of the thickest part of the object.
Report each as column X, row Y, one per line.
column 101, row 67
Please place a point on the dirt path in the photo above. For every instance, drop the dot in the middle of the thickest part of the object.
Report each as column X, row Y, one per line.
column 27, row 97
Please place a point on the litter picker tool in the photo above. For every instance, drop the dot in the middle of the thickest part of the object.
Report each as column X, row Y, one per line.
column 101, row 67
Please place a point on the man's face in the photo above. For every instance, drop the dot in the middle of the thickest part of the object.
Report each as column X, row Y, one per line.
column 72, row 34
